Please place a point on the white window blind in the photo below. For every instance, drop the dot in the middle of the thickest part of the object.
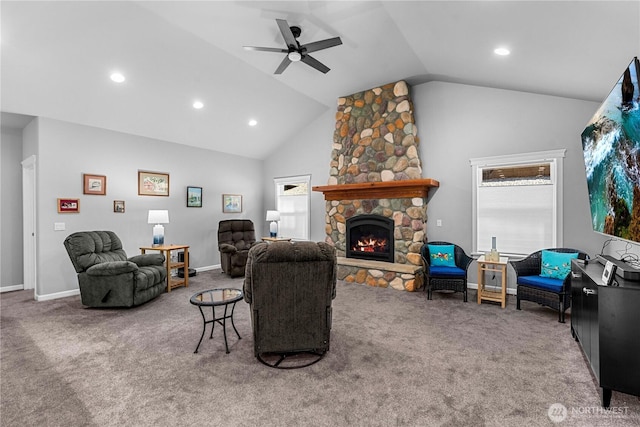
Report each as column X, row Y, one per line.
column 519, row 217
column 517, row 200
column 292, row 201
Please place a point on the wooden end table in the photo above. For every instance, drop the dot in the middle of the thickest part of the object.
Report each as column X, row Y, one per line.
column 494, row 267
column 166, row 251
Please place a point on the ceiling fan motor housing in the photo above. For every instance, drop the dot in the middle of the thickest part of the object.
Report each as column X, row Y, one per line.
column 296, row 31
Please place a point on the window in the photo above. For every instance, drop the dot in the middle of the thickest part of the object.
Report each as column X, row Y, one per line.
column 292, row 201
column 518, row 200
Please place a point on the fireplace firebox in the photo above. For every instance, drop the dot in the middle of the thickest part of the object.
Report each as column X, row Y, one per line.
column 370, row 237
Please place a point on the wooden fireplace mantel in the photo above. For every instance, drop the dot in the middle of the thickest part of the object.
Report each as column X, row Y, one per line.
column 407, row 188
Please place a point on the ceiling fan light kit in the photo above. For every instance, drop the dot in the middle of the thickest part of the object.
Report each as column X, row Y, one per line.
column 296, row 52
column 294, row 56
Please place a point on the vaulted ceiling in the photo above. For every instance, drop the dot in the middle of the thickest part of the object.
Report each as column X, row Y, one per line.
column 56, row 58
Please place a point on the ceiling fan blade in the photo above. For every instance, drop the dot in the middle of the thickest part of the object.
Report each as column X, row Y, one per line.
column 283, row 65
column 322, row 44
column 287, row 34
column 315, row 63
column 266, row 49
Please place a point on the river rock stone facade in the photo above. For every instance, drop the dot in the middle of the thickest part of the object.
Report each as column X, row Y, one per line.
column 375, row 137
column 375, row 140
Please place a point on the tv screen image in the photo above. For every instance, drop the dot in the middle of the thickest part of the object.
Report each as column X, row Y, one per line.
column 611, row 148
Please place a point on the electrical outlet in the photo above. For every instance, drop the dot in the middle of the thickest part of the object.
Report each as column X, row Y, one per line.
column 439, row 223
column 59, row 226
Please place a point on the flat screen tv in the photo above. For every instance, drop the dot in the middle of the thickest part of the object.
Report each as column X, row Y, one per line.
column 611, row 148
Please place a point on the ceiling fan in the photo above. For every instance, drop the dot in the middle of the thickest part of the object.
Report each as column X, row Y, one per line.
column 295, row 51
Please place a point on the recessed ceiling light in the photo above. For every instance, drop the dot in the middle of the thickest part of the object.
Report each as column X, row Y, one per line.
column 198, row 105
column 117, row 77
column 253, row 122
column 502, row 51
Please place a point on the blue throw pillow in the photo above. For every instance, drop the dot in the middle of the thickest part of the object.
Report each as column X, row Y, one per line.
column 556, row 265
column 442, row 255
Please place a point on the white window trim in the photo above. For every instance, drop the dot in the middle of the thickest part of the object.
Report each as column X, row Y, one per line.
column 296, row 180
column 553, row 156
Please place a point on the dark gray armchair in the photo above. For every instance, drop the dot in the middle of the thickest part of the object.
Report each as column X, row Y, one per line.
column 235, row 238
column 290, row 287
column 107, row 278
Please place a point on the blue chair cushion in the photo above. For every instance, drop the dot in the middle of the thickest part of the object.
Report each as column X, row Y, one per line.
column 546, row 283
column 446, row 271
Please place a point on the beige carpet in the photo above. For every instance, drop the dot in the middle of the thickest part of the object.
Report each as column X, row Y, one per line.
column 396, row 359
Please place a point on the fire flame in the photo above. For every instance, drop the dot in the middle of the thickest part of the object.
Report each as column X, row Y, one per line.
column 370, row 244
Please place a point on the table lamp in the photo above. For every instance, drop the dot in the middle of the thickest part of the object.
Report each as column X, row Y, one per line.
column 273, row 216
column 158, row 217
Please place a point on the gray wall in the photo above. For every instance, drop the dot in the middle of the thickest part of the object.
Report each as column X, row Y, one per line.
column 456, row 123
column 310, row 153
column 11, row 208
column 459, row 122
column 65, row 151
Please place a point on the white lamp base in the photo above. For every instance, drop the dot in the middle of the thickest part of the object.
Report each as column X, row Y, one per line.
column 158, row 235
column 273, row 229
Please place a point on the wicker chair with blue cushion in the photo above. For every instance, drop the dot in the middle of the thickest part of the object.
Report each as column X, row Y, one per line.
column 543, row 277
column 445, row 268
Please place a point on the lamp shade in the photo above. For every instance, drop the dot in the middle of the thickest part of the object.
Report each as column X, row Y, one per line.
column 158, row 217
column 273, row 216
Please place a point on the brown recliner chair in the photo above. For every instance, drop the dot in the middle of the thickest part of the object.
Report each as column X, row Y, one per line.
column 235, row 238
column 290, row 287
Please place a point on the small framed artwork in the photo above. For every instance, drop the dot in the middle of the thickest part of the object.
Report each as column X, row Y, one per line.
column 94, row 184
column 118, row 206
column 231, row 203
column 194, row 197
column 153, row 183
column 68, row 205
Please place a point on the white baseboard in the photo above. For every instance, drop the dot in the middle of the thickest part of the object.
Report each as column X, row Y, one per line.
column 57, row 295
column 11, row 288
column 510, row 291
column 75, row 292
column 209, row 267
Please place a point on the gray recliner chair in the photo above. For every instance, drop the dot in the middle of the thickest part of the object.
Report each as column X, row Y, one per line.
column 235, row 238
column 290, row 287
column 107, row 278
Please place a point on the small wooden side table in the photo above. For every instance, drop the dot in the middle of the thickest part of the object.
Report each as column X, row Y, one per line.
column 166, row 251
column 495, row 267
column 276, row 239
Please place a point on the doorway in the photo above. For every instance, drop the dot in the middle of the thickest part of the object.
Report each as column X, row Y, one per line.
column 29, row 223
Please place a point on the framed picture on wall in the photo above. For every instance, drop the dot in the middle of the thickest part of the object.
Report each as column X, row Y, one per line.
column 231, row 203
column 118, row 206
column 153, row 183
column 194, row 197
column 94, row 184
column 68, row 205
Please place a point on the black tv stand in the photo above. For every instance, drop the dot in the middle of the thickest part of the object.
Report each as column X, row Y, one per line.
column 605, row 319
column 623, row 270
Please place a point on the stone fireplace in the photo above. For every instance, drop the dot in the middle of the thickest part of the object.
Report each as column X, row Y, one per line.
column 375, row 177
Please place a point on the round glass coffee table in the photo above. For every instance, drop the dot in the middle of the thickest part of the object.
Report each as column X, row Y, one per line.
column 213, row 298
